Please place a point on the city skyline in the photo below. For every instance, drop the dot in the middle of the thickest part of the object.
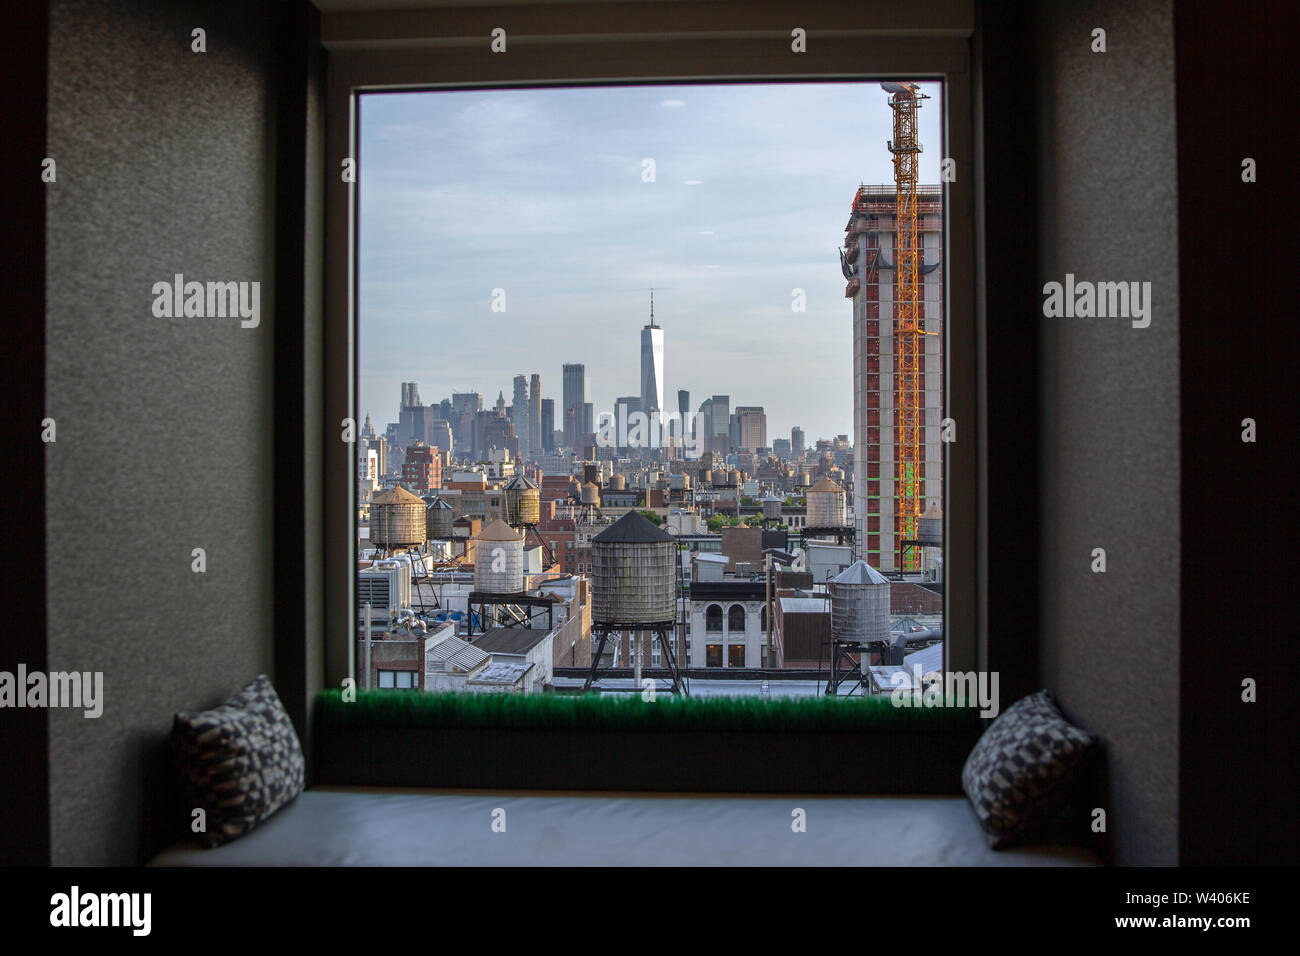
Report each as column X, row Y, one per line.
column 462, row 190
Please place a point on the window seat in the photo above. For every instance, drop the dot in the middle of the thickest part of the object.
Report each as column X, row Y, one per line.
column 369, row 826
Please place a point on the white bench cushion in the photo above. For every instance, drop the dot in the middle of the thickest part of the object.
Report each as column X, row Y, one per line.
column 356, row 826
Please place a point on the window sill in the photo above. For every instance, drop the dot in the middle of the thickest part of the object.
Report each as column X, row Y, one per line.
column 544, row 742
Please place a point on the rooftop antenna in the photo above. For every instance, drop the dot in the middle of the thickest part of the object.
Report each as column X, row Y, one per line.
column 652, row 307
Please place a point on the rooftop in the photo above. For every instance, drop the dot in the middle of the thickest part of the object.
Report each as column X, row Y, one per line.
column 804, row 605
column 502, row 673
column 510, row 640
column 456, row 653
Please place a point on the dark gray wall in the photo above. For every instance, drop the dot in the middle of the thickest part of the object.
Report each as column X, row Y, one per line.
column 317, row 429
column 1108, row 420
column 164, row 425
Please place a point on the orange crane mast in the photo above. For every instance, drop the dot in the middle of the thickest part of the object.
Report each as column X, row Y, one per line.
column 909, row 409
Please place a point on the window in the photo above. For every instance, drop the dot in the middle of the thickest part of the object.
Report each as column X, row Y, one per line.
column 359, row 64
column 713, row 655
column 398, row 680
column 736, row 619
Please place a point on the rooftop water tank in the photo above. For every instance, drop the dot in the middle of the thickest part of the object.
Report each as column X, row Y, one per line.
column 826, row 505
column 635, row 577
column 930, row 526
column 396, row 519
column 860, row 605
column 523, row 502
column 499, row 559
column 439, row 517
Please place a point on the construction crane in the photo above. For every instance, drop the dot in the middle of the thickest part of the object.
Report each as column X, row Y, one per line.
column 909, row 410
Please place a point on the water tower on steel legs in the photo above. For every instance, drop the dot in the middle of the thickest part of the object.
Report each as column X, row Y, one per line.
column 396, row 520
column 523, row 513
column 634, row 591
column 859, row 623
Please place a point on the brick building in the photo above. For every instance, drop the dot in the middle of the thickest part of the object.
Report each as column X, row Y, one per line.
column 870, row 251
column 422, row 469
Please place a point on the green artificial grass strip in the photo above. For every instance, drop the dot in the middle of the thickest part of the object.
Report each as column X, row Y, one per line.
column 598, row 712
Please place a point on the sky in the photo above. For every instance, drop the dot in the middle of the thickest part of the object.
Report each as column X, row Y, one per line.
column 542, row 194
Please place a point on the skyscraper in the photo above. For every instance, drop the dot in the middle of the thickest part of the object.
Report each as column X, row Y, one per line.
column 572, row 425
column 797, row 441
column 624, row 406
column 878, row 353
column 715, row 424
column 548, row 424
column 684, row 430
column 519, row 411
column 410, row 395
column 575, row 397
column 464, row 405
column 414, row 423
column 751, row 427
column 535, row 436
column 652, row 365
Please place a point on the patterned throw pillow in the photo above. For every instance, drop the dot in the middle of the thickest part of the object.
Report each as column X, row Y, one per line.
column 241, row 761
column 1021, row 773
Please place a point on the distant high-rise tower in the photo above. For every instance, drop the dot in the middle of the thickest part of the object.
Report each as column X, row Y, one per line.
column 464, row 406
column 797, row 442
column 684, row 429
column 572, row 424
column 548, row 424
column 624, row 406
column 750, row 431
column 414, row 423
column 519, row 411
column 410, row 394
column 501, row 405
column 867, row 263
column 535, row 435
column 575, row 397
column 652, row 364
column 715, row 424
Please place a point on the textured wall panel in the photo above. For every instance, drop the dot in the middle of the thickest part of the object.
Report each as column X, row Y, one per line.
column 164, row 425
column 1109, row 405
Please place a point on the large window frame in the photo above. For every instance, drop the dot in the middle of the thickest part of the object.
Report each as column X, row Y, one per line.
column 661, row 43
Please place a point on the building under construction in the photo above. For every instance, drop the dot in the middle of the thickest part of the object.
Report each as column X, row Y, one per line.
column 892, row 261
